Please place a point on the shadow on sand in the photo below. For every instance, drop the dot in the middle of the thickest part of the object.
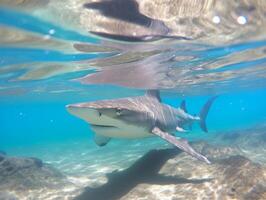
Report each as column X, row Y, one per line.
column 144, row 170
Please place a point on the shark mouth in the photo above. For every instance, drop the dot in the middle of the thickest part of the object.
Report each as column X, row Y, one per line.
column 102, row 126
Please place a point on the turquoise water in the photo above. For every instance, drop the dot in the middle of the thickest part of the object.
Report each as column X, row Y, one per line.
column 38, row 121
column 42, row 70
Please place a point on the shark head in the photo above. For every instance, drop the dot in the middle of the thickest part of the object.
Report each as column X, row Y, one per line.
column 113, row 118
column 95, row 114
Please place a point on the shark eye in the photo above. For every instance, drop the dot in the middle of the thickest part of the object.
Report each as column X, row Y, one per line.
column 118, row 111
column 100, row 114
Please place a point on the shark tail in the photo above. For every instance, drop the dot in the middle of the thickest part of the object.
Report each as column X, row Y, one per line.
column 204, row 113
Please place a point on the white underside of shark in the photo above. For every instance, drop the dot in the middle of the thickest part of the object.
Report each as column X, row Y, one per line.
column 110, row 127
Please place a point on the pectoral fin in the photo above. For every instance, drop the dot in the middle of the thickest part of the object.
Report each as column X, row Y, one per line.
column 181, row 144
column 101, row 140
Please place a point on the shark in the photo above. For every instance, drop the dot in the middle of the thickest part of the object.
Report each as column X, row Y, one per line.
column 140, row 117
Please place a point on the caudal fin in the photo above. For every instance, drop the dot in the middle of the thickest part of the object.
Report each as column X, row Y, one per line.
column 204, row 112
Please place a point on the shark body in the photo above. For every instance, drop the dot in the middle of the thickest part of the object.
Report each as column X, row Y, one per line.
column 139, row 117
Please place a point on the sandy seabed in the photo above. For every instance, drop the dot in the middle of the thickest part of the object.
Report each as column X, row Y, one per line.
column 140, row 169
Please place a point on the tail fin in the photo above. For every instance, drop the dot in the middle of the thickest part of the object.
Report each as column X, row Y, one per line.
column 204, row 112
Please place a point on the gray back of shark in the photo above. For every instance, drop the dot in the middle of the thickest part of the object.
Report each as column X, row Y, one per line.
column 138, row 117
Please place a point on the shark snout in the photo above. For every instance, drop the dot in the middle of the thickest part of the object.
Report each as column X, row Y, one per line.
column 72, row 106
column 76, row 105
column 88, row 114
column 81, row 106
column 76, row 108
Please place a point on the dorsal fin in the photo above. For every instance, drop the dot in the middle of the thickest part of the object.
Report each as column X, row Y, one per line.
column 154, row 94
column 183, row 106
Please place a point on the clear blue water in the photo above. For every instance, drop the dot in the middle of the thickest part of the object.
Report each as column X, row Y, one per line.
column 38, row 79
column 40, row 121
